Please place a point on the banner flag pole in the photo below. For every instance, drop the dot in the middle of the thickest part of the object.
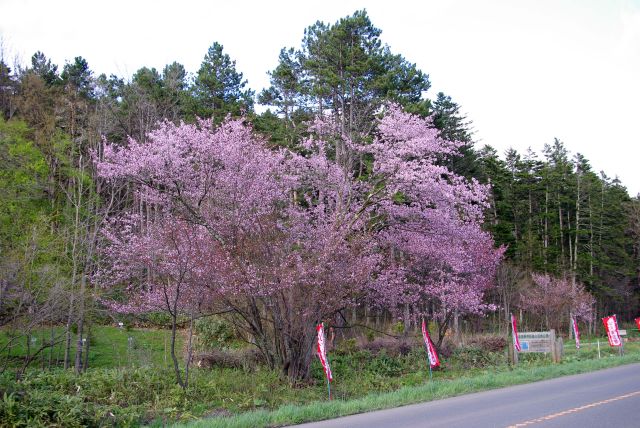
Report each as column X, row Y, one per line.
column 322, row 354
column 432, row 355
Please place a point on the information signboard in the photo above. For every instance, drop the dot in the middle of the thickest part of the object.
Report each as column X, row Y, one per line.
column 540, row 341
column 536, row 341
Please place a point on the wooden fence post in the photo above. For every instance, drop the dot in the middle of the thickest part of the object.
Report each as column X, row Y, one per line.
column 559, row 349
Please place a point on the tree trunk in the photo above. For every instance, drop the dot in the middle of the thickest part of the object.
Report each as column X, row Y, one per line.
column 79, row 346
column 442, row 329
column 300, row 358
column 67, row 341
column 562, row 258
column 79, row 343
column 174, row 358
column 590, row 239
column 406, row 319
column 570, row 245
column 86, row 350
column 51, row 341
column 546, row 227
column 187, row 364
column 456, row 328
column 530, row 231
column 574, row 268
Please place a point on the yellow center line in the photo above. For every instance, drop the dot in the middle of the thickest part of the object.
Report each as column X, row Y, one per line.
column 574, row 410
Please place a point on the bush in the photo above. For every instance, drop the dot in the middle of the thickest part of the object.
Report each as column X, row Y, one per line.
column 469, row 357
column 151, row 320
column 213, row 333
column 447, row 349
column 347, row 347
column 489, row 343
column 55, row 400
column 246, row 359
column 390, row 346
column 386, row 365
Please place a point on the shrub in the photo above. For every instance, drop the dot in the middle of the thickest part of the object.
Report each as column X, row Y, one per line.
column 213, row 333
column 152, row 320
column 398, row 327
column 469, row 357
column 36, row 403
column 245, row 359
column 385, row 365
column 347, row 347
column 489, row 343
column 390, row 346
column 446, row 349
column 370, row 335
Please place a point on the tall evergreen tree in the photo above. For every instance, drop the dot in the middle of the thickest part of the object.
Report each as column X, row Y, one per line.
column 78, row 77
column 454, row 126
column 345, row 71
column 285, row 94
column 43, row 67
column 8, row 89
column 175, row 95
column 219, row 89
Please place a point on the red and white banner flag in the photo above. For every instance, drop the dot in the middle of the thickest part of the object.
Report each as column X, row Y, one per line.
column 638, row 323
column 322, row 352
column 514, row 330
column 611, row 325
column 576, row 333
column 434, row 361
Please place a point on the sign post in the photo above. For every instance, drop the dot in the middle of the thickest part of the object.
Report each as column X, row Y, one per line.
column 541, row 342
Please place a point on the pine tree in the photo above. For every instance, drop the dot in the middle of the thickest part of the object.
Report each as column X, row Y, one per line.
column 218, row 88
column 454, row 126
column 43, row 67
column 343, row 70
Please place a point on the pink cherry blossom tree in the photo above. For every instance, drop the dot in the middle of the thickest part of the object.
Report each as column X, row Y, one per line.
column 437, row 254
column 554, row 299
column 216, row 194
column 287, row 245
column 285, row 240
column 161, row 263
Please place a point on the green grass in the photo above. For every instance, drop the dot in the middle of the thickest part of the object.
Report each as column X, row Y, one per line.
column 132, row 384
column 109, row 347
column 438, row 389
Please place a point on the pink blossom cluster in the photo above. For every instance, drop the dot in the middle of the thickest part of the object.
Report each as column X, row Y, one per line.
column 439, row 253
column 558, row 296
column 233, row 218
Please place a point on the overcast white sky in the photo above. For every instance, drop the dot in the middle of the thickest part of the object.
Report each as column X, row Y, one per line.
column 524, row 72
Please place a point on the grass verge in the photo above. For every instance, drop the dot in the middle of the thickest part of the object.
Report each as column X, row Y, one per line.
column 109, row 347
column 438, row 389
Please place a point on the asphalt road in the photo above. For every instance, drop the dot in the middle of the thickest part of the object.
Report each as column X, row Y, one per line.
column 606, row 398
